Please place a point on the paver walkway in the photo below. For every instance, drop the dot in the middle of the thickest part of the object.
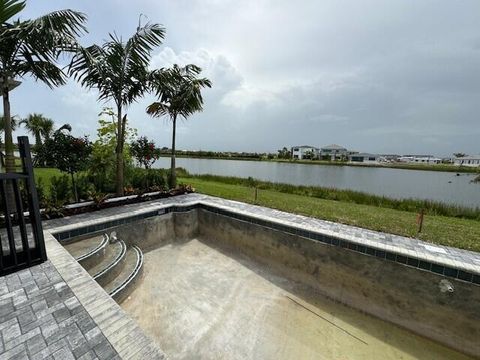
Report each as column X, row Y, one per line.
column 41, row 318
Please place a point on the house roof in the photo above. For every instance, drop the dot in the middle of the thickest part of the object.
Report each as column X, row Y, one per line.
column 333, row 147
column 468, row 157
column 305, row 146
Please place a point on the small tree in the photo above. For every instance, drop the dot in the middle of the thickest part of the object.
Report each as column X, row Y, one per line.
column 69, row 154
column 102, row 168
column 284, row 153
column 145, row 152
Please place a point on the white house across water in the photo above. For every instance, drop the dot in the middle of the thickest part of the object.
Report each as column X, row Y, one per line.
column 304, row 151
column 333, row 151
column 470, row 160
column 365, row 158
column 421, row 159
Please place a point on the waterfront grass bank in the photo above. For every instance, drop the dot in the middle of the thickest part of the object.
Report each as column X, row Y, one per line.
column 444, row 230
column 349, row 196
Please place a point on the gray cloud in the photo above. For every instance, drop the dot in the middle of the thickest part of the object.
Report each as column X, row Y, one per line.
column 380, row 76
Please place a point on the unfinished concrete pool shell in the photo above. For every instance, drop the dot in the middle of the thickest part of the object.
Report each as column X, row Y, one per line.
column 221, row 279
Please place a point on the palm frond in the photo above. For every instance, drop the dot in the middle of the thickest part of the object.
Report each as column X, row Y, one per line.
column 140, row 45
column 117, row 69
column 55, row 32
column 42, row 70
column 10, row 8
column 158, row 109
column 14, row 123
column 32, row 47
column 67, row 127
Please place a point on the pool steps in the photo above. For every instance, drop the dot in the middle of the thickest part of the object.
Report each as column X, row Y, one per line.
column 114, row 265
column 89, row 252
column 122, row 286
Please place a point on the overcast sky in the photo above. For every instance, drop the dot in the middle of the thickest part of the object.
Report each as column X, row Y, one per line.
column 389, row 76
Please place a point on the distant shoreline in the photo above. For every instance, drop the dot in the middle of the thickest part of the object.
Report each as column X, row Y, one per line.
column 420, row 167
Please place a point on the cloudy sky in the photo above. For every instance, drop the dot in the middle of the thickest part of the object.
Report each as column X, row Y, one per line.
column 384, row 76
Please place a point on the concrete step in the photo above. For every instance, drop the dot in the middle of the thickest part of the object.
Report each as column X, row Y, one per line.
column 89, row 252
column 120, row 287
column 111, row 265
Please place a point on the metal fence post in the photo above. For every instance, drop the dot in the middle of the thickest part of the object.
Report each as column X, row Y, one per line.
column 34, row 208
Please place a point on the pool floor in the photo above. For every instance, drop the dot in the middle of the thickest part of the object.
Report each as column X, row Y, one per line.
column 200, row 302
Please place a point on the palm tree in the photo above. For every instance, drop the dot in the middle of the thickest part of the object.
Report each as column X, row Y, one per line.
column 32, row 47
column 41, row 128
column 179, row 94
column 34, row 124
column 118, row 69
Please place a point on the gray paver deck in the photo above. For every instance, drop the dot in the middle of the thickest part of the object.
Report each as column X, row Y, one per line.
column 40, row 316
column 56, row 310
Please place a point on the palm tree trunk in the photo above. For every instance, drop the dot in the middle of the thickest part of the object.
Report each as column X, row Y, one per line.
column 74, row 187
column 119, row 153
column 9, row 156
column 38, row 139
column 173, row 175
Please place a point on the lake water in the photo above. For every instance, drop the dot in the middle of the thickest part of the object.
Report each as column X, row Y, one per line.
column 396, row 183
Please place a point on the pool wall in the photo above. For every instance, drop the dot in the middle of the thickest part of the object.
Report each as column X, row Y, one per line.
column 403, row 295
column 153, row 232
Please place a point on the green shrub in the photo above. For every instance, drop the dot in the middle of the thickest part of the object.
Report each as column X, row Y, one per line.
column 85, row 187
column 157, row 178
column 60, row 189
column 181, row 172
column 41, row 190
column 144, row 179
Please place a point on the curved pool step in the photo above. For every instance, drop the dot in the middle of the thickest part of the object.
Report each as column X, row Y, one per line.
column 112, row 264
column 120, row 287
column 89, row 252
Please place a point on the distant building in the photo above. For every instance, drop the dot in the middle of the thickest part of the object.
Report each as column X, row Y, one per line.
column 304, row 152
column 365, row 158
column 470, row 160
column 420, row 159
column 390, row 157
column 333, row 152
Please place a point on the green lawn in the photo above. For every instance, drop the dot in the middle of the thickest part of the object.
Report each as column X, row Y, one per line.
column 442, row 230
column 45, row 174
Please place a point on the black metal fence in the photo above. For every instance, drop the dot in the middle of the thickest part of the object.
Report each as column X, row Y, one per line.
column 21, row 233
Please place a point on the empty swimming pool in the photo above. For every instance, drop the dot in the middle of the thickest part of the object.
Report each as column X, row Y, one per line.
column 250, row 283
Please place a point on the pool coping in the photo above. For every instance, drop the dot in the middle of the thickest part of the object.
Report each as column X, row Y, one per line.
column 443, row 260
